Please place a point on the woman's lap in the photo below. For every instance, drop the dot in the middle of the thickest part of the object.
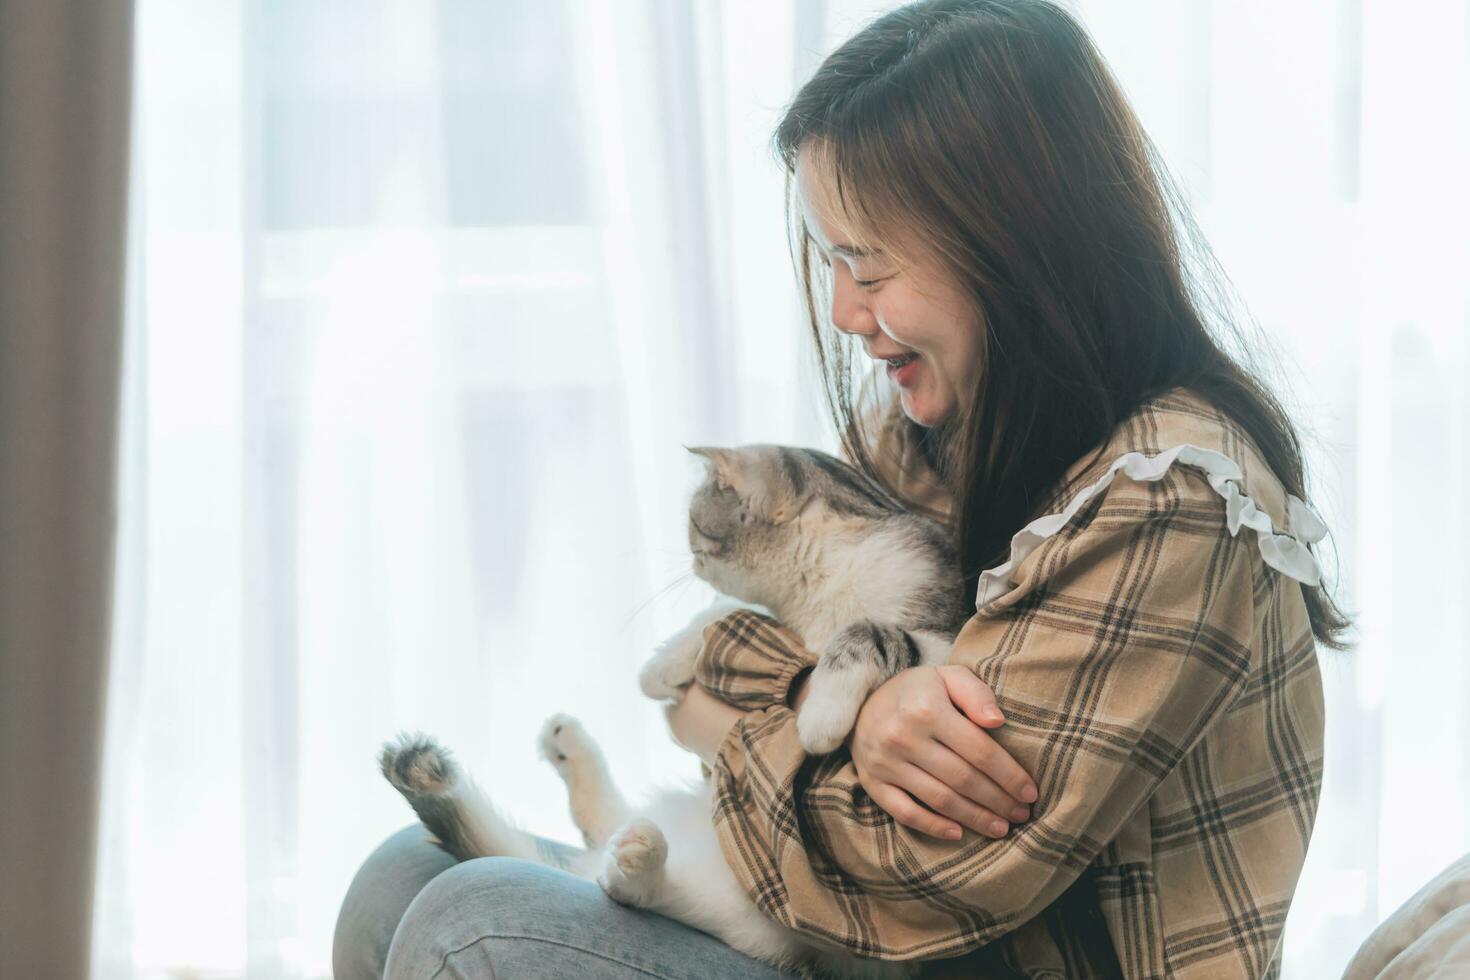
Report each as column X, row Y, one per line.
column 411, row 905
column 377, row 898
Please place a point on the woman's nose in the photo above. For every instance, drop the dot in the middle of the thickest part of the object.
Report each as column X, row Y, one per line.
column 850, row 312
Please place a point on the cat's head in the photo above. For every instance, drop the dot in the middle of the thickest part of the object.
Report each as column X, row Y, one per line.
column 758, row 505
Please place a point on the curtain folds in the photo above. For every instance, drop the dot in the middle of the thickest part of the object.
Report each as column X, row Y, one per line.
column 65, row 98
column 425, row 298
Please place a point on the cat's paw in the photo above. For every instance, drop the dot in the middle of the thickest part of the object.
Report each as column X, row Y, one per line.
column 635, row 855
column 831, row 709
column 565, row 743
column 821, row 727
column 667, row 676
column 638, row 848
column 670, row 671
column 417, row 765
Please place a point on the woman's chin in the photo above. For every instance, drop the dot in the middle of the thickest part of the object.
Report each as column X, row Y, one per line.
column 922, row 408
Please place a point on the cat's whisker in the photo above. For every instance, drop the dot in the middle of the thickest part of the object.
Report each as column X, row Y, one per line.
column 681, row 580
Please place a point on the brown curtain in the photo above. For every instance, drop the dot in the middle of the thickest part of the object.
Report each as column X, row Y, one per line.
column 65, row 84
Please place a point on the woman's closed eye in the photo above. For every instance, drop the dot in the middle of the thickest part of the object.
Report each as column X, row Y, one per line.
column 867, row 285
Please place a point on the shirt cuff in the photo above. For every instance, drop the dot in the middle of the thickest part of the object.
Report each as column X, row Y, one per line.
column 749, row 660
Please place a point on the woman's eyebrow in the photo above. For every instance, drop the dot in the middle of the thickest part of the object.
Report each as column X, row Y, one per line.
column 818, row 236
column 851, row 251
column 854, row 251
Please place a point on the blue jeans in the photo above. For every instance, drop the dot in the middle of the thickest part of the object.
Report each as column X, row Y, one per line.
column 412, row 913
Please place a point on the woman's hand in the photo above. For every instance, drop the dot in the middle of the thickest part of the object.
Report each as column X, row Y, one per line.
column 921, row 736
column 700, row 722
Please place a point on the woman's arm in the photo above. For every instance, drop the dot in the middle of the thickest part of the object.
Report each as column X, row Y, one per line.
column 921, row 738
column 701, row 721
column 1128, row 635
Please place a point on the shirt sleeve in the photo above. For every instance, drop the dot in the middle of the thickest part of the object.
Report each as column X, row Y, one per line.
column 749, row 660
column 1125, row 635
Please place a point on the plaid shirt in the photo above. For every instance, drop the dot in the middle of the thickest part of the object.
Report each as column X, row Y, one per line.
column 1160, row 684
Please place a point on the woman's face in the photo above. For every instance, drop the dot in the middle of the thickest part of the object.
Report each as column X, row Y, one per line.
column 912, row 316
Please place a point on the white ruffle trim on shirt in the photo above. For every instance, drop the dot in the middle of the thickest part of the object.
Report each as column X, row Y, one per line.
column 1287, row 553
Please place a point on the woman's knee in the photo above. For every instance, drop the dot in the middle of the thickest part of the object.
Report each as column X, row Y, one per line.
column 380, row 893
column 463, row 910
column 504, row 917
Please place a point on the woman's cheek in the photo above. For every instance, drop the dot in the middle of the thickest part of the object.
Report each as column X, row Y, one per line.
column 885, row 316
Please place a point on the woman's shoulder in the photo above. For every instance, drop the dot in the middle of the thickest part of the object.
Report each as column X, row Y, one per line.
column 1176, row 417
column 1183, row 428
column 1178, row 456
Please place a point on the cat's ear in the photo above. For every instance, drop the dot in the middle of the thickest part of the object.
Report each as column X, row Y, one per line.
column 786, row 506
column 774, row 491
column 787, row 491
column 721, row 463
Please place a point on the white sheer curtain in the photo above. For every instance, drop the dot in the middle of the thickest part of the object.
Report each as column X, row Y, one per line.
column 425, row 297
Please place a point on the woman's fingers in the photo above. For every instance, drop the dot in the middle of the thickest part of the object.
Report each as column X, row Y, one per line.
column 984, row 754
column 946, row 802
column 903, row 809
column 972, row 695
column 961, row 775
column 918, row 743
column 975, row 698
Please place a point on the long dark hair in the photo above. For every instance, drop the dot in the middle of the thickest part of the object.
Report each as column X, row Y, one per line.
column 994, row 132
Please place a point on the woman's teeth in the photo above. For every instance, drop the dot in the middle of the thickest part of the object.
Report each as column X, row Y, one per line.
column 899, row 362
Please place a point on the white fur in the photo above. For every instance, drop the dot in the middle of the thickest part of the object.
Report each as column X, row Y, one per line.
column 665, row 856
column 667, row 859
column 833, row 704
column 671, row 669
column 873, row 573
column 933, row 647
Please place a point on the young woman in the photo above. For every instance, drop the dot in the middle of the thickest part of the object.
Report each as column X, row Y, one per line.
column 1118, row 771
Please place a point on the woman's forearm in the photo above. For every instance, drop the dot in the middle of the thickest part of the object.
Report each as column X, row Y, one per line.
column 799, row 688
column 701, row 721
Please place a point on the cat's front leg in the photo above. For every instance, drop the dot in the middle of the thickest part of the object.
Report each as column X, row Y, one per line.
column 671, row 669
column 856, row 660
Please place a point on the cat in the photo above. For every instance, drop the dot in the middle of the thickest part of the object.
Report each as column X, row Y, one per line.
column 869, row 586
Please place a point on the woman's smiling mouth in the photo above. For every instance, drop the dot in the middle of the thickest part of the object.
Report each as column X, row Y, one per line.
column 902, row 368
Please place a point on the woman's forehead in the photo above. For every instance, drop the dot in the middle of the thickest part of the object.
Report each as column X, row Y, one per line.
column 826, row 221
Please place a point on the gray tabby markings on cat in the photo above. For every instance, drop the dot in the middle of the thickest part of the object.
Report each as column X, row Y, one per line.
column 872, row 587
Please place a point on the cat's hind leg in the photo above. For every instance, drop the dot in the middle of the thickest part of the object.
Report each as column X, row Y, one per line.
column 633, row 863
column 464, row 821
column 597, row 807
